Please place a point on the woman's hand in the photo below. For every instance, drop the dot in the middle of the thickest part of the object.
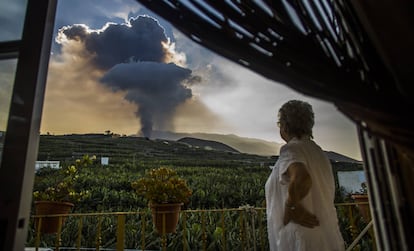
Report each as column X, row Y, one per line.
column 298, row 214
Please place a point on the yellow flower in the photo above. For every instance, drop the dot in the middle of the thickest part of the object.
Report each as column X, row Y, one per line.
column 63, row 188
column 72, row 169
column 162, row 185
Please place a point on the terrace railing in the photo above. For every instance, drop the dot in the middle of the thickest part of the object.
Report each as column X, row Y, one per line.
column 241, row 228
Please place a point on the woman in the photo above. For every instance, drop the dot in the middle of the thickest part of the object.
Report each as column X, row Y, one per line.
column 300, row 191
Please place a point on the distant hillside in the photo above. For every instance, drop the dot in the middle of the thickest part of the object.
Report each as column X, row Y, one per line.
column 241, row 144
column 207, row 144
column 143, row 150
column 245, row 145
column 341, row 158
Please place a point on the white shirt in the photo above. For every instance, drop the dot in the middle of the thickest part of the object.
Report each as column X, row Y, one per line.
column 319, row 201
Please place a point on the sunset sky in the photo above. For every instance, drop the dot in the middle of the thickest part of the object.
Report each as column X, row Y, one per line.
column 116, row 66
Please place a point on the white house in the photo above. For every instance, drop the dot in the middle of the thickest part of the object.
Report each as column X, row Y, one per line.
column 104, row 161
column 47, row 163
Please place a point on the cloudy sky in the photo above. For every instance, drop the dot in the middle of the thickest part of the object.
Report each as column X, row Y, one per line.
column 116, row 66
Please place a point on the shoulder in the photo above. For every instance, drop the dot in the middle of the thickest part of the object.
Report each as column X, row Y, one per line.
column 293, row 145
column 293, row 151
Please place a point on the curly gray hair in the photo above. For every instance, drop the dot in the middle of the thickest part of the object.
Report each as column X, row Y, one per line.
column 297, row 117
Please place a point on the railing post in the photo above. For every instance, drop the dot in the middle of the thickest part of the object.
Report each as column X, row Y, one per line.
column 120, row 232
column 98, row 234
column 184, row 223
column 261, row 231
column 79, row 240
column 39, row 225
column 203, row 228
column 352, row 226
column 253, row 213
column 58, row 234
column 143, row 224
column 242, row 230
column 163, row 235
column 223, row 226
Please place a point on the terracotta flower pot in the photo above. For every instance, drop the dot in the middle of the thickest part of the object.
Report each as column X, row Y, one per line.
column 168, row 212
column 51, row 224
column 364, row 207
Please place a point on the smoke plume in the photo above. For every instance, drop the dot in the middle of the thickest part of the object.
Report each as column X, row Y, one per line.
column 142, row 39
column 138, row 59
column 156, row 97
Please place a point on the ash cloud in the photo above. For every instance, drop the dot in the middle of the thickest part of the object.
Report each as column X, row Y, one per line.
column 141, row 39
column 157, row 98
column 138, row 59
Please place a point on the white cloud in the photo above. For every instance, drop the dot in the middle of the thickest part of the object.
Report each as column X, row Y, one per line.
column 248, row 103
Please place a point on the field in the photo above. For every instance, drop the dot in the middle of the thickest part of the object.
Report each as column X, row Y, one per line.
column 219, row 179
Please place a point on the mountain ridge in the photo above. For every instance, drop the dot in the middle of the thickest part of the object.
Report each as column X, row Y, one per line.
column 76, row 144
column 241, row 144
column 244, row 144
column 207, row 144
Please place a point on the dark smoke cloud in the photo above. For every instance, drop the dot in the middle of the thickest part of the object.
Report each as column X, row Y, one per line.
column 136, row 62
column 140, row 40
column 157, row 97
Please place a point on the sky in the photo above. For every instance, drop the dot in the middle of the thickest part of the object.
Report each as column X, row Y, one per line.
column 116, row 66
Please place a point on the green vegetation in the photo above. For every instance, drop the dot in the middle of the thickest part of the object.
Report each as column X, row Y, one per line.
column 62, row 185
column 218, row 179
column 162, row 185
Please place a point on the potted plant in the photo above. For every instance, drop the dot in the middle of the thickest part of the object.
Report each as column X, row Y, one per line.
column 361, row 198
column 166, row 192
column 58, row 197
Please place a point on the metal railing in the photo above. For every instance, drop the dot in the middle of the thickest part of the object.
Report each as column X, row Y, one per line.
column 241, row 228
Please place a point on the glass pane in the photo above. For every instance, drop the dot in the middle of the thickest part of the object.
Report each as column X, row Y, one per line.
column 12, row 13
column 7, row 72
